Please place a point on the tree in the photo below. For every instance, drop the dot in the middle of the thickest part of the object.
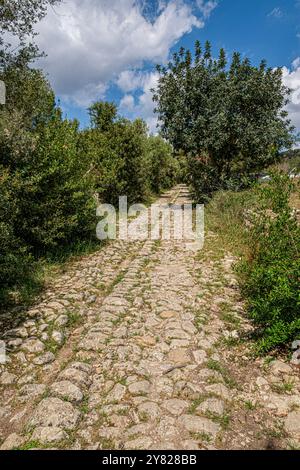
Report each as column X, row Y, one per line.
column 163, row 166
column 229, row 120
column 102, row 115
column 116, row 149
column 17, row 21
column 29, row 94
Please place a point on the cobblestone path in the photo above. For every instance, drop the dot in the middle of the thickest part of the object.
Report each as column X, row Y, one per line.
column 142, row 346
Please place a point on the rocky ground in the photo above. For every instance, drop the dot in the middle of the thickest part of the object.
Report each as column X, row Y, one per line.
column 143, row 345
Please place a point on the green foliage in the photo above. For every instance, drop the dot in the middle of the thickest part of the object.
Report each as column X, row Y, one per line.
column 17, row 30
column 291, row 159
column 19, row 16
column 46, row 196
column 51, row 173
column 164, row 168
column 28, row 93
column 270, row 274
column 15, row 261
column 55, row 196
column 123, row 159
column 129, row 142
column 116, row 151
column 227, row 119
column 103, row 115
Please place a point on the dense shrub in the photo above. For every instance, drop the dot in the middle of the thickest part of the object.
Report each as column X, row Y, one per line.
column 56, row 204
column 164, row 167
column 115, row 151
column 270, row 274
column 15, row 261
column 123, row 159
column 129, row 141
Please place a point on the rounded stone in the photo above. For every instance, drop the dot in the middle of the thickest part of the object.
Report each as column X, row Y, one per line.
column 292, row 424
column 44, row 359
column 66, row 390
column 55, row 412
column 168, row 314
column 175, row 406
column 58, row 337
column 47, row 435
column 200, row 356
column 212, row 405
column 7, row 378
column 196, row 424
column 149, row 409
column 62, row 320
column 33, row 346
column 280, row 367
column 218, row 389
column 14, row 343
column 179, row 356
column 117, row 393
column 76, row 376
column 13, row 441
column 139, row 388
column 140, row 443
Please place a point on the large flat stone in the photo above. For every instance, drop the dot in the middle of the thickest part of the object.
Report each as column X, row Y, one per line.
column 31, row 391
column 76, row 376
column 196, row 424
column 93, row 342
column 292, row 424
column 149, row 409
column 33, row 346
column 117, row 393
column 179, row 356
column 139, row 388
column 13, row 441
column 55, row 412
column 212, row 405
column 175, row 406
column 67, row 390
column 47, row 435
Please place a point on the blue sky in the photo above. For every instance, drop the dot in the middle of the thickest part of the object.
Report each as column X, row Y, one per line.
column 107, row 49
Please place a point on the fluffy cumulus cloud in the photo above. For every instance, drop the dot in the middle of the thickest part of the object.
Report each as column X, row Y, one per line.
column 142, row 105
column 94, row 44
column 206, row 7
column 291, row 78
column 90, row 42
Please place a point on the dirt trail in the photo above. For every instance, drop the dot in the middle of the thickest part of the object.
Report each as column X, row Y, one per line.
column 137, row 347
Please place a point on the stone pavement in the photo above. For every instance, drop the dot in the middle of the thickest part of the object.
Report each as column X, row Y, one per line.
column 139, row 347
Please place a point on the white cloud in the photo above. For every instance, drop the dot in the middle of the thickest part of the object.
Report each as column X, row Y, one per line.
column 143, row 106
column 84, row 96
column 296, row 63
column 130, row 80
column 127, row 103
column 206, row 7
column 291, row 79
column 89, row 43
